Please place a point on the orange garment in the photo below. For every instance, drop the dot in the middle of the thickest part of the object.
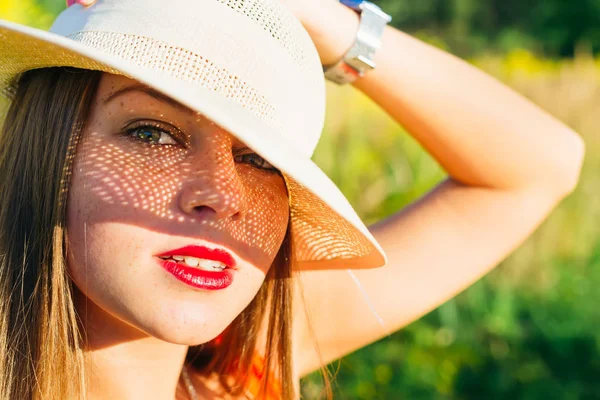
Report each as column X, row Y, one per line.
column 256, row 376
column 257, row 368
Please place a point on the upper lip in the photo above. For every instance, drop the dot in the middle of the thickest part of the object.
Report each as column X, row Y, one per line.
column 215, row 254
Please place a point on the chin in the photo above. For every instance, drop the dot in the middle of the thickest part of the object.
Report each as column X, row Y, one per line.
column 182, row 337
column 189, row 325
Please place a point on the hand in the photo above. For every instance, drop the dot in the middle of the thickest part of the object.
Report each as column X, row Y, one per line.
column 331, row 25
column 84, row 3
column 307, row 10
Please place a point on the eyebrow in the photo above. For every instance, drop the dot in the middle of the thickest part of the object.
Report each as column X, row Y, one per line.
column 150, row 92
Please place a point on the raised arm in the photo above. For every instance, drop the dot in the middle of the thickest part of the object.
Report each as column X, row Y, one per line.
column 509, row 164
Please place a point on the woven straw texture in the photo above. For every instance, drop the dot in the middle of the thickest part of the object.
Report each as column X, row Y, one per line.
column 277, row 85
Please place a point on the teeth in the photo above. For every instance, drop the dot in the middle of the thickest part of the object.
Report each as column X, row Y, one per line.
column 209, row 265
column 191, row 261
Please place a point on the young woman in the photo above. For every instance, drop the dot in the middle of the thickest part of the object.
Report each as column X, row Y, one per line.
column 165, row 236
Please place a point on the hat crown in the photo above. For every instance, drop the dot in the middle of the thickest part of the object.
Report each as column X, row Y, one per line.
column 256, row 52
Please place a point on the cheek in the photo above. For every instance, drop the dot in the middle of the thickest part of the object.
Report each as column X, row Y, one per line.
column 117, row 274
column 132, row 177
column 267, row 215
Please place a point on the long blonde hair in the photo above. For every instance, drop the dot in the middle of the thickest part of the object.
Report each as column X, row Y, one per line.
column 41, row 355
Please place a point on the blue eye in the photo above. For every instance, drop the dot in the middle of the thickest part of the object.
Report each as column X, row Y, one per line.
column 152, row 135
column 255, row 160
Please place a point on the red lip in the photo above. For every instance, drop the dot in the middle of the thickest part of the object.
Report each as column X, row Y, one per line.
column 198, row 278
column 202, row 252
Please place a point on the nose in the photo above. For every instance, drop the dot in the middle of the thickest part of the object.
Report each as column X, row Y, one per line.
column 214, row 191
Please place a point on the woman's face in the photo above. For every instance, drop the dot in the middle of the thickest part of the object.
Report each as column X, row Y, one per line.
column 150, row 177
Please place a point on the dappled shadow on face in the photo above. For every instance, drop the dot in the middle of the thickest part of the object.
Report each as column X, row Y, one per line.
column 150, row 177
column 197, row 192
column 194, row 187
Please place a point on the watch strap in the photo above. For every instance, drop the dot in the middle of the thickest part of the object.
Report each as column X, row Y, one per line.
column 359, row 58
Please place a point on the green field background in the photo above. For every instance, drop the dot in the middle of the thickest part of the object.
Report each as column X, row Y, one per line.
column 531, row 328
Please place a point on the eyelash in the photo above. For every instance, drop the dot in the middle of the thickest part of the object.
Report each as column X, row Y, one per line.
column 177, row 135
column 261, row 161
column 173, row 133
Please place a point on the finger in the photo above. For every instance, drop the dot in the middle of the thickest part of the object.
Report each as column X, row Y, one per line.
column 84, row 3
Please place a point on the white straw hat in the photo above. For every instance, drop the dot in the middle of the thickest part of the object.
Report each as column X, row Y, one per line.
column 248, row 65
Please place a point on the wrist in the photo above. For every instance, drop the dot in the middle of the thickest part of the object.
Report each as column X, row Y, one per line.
column 333, row 31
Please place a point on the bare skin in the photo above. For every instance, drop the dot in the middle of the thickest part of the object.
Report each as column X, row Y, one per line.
column 509, row 164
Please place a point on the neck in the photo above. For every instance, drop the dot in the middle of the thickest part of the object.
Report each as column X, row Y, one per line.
column 121, row 362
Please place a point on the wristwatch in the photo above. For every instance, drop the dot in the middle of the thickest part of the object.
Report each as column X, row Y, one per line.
column 359, row 58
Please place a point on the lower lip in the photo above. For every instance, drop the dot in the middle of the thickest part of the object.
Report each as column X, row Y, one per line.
column 198, row 278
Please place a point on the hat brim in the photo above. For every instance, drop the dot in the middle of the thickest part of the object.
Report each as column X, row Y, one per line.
column 328, row 234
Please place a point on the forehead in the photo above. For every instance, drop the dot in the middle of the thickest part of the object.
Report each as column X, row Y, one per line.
column 112, row 87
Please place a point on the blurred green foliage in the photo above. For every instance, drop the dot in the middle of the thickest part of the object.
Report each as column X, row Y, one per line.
column 553, row 27
column 529, row 330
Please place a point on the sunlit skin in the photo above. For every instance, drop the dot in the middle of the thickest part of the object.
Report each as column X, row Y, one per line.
column 131, row 200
